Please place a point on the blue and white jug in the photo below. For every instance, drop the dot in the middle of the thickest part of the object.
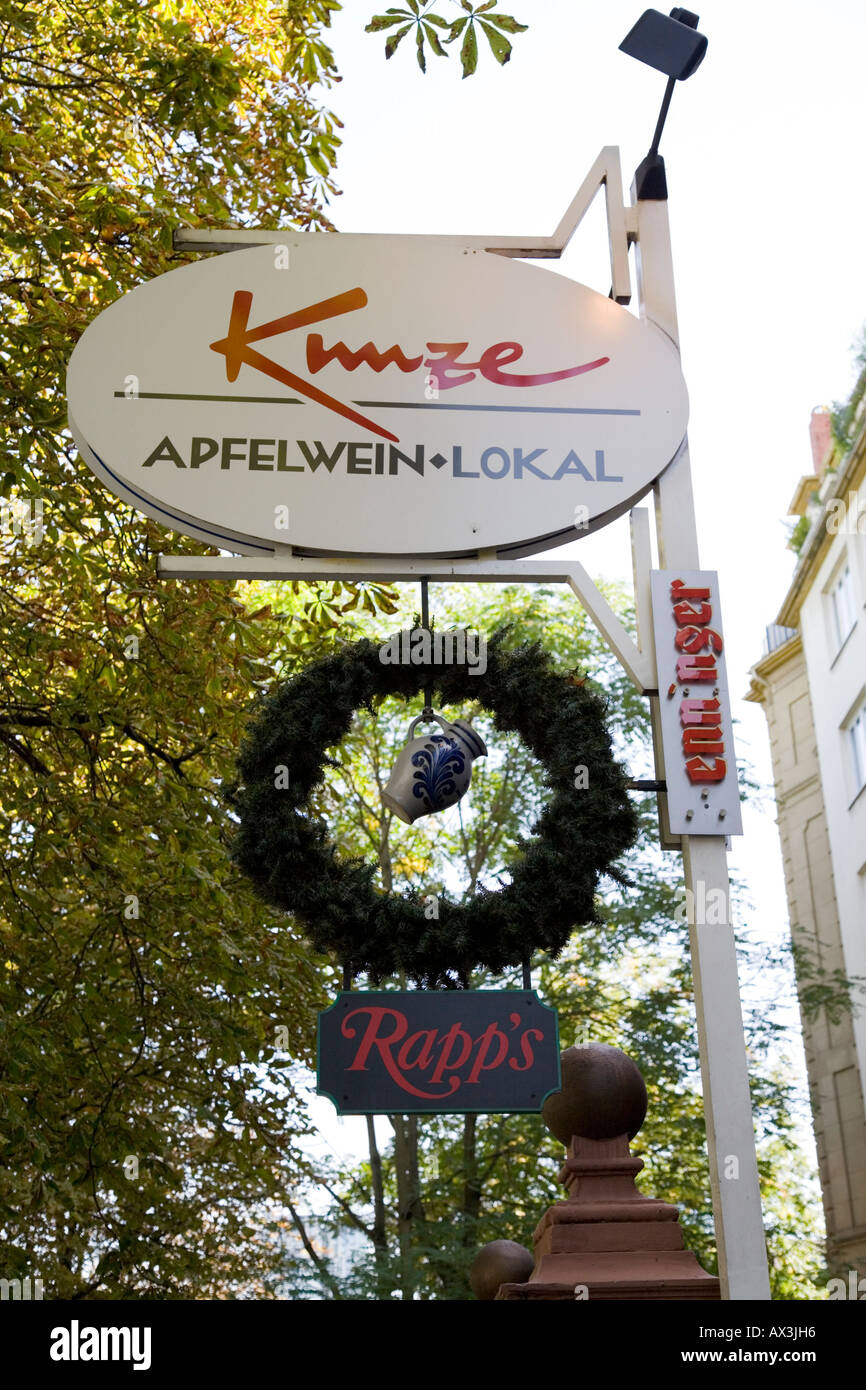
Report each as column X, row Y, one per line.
column 433, row 770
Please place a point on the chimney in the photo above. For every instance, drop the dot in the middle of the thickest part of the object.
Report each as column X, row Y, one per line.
column 821, row 437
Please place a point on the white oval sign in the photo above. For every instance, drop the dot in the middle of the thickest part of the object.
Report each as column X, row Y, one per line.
column 364, row 395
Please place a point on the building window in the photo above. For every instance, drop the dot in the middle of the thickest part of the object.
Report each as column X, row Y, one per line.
column 857, row 735
column 842, row 603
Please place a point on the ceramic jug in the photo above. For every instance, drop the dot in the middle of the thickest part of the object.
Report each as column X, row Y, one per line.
column 433, row 770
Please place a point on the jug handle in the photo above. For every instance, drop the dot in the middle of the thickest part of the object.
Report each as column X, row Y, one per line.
column 427, row 718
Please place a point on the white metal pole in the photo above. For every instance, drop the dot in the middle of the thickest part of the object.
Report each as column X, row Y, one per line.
column 727, row 1103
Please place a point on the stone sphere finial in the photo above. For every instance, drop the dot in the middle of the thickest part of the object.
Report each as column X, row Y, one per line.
column 500, row 1262
column 603, row 1095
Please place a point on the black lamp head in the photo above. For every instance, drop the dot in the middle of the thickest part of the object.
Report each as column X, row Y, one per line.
column 669, row 43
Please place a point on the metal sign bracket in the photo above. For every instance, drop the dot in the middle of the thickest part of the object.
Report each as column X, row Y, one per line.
column 605, row 173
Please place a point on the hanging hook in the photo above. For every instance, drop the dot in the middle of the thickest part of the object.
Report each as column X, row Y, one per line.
column 425, row 623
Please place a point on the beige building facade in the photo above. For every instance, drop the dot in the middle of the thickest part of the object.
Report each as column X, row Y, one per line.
column 811, row 683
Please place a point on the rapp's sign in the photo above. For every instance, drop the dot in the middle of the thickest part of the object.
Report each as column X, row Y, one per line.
column 445, row 1051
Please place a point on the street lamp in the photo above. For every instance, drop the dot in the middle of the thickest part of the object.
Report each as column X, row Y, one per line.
column 672, row 45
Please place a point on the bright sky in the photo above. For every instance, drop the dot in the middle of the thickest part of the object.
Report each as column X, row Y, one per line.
column 763, row 148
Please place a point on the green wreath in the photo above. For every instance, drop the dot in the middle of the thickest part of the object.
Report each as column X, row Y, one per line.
column 578, row 836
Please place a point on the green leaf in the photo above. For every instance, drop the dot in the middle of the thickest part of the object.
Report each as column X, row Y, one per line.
column 391, row 45
column 320, row 164
column 469, row 52
column 419, row 41
column 457, row 29
column 382, row 21
column 108, row 676
column 499, row 44
column 433, row 38
column 506, row 22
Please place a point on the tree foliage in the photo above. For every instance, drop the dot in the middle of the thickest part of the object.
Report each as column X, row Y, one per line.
column 436, row 34
column 148, row 1004
column 846, row 416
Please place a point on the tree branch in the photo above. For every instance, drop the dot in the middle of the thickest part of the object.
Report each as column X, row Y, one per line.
column 174, row 762
column 23, row 752
column 322, row 1269
column 355, row 1220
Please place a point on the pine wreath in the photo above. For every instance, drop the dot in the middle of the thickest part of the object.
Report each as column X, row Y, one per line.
column 294, row 866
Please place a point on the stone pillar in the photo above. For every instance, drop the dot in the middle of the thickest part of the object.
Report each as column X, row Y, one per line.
column 606, row 1240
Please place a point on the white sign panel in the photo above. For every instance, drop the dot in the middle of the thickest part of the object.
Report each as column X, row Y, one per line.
column 697, row 735
column 364, row 395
